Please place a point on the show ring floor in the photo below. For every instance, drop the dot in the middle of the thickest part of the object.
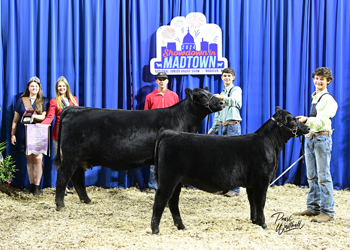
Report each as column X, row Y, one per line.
column 120, row 219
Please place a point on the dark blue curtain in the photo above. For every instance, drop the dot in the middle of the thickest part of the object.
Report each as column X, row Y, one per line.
column 104, row 47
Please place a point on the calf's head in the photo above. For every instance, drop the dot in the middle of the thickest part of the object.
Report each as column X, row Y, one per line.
column 289, row 122
column 205, row 98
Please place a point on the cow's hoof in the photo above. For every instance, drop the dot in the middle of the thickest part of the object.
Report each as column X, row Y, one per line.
column 155, row 231
column 181, row 227
column 264, row 226
column 59, row 208
column 86, row 201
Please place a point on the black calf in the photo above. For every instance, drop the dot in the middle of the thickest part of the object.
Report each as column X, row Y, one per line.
column 217, row 163
column 121, row 139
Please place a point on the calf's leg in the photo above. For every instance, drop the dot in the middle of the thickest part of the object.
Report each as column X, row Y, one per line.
column 162, row 197
column 64, row 174
column 174, row 207
column 259, row 199
column 78, row 180
column 253, row 216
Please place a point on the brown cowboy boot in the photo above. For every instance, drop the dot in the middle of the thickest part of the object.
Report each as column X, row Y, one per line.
column 306, row 212
column 322, row 218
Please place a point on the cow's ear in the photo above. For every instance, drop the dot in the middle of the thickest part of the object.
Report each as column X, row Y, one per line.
column 189, row 93
column 277, row 108
column 206, row 88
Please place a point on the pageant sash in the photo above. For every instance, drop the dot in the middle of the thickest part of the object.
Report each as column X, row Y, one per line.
column 37, row 140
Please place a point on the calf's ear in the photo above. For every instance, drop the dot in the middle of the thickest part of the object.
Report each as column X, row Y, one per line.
column 189, row 93
column 277, row 108
column 206, row 88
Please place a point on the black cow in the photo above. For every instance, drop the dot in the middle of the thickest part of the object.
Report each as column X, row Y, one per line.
column 220, row 163
column 121, row 139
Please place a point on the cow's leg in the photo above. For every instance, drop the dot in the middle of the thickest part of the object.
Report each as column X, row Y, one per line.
column 78, row 180
column 253, row 216
column 64, row 174
column 162, row 197
column 259, row 198
column 174, row 207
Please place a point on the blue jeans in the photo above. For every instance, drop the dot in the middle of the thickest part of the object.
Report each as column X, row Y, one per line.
column 318, row 156
column 234, row 129
column 151, row 182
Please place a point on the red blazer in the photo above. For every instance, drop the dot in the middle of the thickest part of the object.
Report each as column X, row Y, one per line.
column 51, row 114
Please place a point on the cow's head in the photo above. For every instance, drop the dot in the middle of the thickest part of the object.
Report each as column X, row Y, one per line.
column 205, row 98
column 288, row 121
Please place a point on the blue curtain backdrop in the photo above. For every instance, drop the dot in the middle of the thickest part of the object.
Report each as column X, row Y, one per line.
column 104, row 47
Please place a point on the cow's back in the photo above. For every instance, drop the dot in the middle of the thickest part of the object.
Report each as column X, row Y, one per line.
column 209, row 158
column 119, row 139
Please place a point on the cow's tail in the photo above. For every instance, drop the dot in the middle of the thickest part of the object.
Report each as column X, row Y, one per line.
column 160, row 137
column 57, row 161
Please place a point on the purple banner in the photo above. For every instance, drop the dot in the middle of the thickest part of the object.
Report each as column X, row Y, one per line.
column 37, row 139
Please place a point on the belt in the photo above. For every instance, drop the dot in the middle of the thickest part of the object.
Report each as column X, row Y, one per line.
column 312, row 135
column 229, row 123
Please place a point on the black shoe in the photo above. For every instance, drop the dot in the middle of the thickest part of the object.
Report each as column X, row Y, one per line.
column 30, row 190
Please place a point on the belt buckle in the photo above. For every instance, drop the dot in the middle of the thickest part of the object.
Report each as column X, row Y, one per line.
column 309, row 136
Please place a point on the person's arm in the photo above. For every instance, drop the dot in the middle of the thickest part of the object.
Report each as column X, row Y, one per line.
column 326, row 109
column 147, row 103
column 235, row 99
column 51, row 114
column 14, row 128
column 216, row 124
column 39, row 118
column 76, row 99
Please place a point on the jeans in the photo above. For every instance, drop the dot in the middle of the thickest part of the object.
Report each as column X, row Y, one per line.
column 234, row 129
column 151, row 182
column 318, row 156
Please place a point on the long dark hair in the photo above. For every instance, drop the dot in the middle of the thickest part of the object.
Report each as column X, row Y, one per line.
column 39, row 96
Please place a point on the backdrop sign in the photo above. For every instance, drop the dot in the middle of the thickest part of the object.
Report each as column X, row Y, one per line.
column 37, row 139
column 189, row 46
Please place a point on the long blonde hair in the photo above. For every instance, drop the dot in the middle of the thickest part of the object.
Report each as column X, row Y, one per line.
column 68, row 93
column 39, row 96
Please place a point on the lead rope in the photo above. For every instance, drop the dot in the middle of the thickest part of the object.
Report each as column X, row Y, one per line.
column 208, row 124
column 302, row 148
column 286, row 170
column 302, row 156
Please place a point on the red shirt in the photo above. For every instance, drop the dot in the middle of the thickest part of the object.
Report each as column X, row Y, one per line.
column 51, row 114
column 157, row 100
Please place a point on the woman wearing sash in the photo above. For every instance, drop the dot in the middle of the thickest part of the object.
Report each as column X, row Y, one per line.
column 32, row 98
column 63, row 98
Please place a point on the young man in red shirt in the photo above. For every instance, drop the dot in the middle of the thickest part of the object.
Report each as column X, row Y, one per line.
column 159, row 98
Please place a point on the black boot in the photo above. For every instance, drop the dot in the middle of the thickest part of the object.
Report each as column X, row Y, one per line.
column 36, row 190
column 31, row 188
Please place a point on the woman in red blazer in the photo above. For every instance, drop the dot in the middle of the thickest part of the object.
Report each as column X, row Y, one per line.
column 64, row 98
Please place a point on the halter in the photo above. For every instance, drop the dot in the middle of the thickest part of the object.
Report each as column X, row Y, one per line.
column 205, row 105
column 208, row 107
column 294, row 132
